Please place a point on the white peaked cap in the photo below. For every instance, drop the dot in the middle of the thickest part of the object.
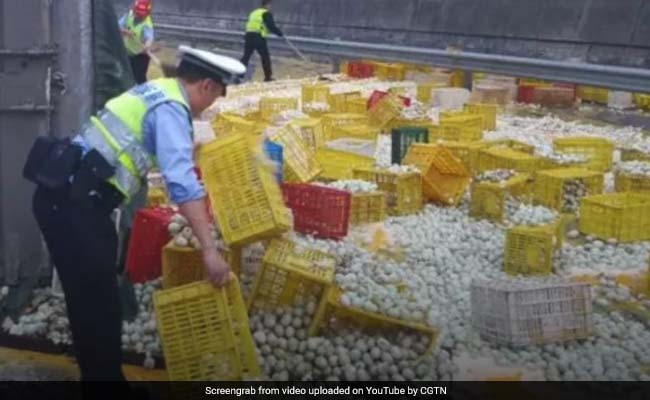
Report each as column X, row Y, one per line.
column 224, row 68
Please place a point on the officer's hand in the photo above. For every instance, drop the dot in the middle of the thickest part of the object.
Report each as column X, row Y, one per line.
column 217, row 269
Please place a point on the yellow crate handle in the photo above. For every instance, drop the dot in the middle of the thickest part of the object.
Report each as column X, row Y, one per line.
column 298, row 262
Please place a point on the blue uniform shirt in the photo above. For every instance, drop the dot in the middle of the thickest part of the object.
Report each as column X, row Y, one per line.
column 166, row 134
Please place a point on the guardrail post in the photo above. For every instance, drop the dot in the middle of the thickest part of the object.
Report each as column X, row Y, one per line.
column 469, row 79
column 336, row 64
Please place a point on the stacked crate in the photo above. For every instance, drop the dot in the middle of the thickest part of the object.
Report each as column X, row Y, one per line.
column 403, row 191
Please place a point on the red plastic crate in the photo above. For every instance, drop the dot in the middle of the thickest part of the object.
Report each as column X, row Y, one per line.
column 379, row 94
column 148, row 237
column 361, row 70
column 317, row 210
column 525, row 94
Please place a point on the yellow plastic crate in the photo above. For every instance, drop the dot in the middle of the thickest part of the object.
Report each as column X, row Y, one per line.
column 466, row 152
column 592, row 94
column 339, row 102
column 403, row 191
column 566, row 223
column 512, row 144
column 506, row 158
column 458, row 78
column 424, row 90
column 314, row 113
column 367, row 208
column 244, row 193
column 549, row 163
column 445, row 178
column 398, row 91
column 487, row 111
column 157, row 197
column 271, row 107
column 364, row 132
column 599, row 151
column 488, row 199
column 549, row 185
column 634, row 155
column 625, row 182
column 227, row 124
column 310, row 130
column 386, row 110
column 389, row 71
column 447, row 133
column 253, row 115
column 621, row 216
column 343, row 67
column 205, row 333
column 315, row 93
column 470, row 127
column 183, row 265
column 398, row 123
column 357, row 106
column 300, row 163
column 530, row 250
column 289, row 274
column 331, row 310
column 534, row 82
column 333, row 121
column 338, row 165
column 642, row 101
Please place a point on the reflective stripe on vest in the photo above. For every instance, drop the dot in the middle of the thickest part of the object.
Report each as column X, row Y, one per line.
column 256, row 22
column 134, row 44
column 117, row 131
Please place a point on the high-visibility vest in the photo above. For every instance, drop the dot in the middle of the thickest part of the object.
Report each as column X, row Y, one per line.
column 256, row 22
column 116, row 133
column 134, row 44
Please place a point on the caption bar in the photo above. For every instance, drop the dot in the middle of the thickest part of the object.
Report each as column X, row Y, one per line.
column 328, row 391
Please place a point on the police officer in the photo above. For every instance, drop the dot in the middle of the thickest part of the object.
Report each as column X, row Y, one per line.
column 260, row 23
column 138, row 33
column 106, row 165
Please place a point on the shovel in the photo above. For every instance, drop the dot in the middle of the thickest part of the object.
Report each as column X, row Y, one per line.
column 295, row 49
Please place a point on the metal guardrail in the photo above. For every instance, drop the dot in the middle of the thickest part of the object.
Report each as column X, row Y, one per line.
column 612, row 77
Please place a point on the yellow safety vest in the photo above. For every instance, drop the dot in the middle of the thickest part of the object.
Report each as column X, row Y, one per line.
column 117, row 131
column 256, row 22
column 134, row 44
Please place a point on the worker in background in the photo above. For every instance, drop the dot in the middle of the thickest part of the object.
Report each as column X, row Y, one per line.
column 81, row 181
column 260, row 23
column 138, row 33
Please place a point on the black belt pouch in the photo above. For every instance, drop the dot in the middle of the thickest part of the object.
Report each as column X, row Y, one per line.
column 51, row 162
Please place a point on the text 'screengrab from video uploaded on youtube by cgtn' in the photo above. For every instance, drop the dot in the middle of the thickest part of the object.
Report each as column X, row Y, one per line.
column 458, row 390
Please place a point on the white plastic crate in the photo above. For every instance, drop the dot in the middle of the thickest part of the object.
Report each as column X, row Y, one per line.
column 449, row 98
column 521, row 313
column 620, row 100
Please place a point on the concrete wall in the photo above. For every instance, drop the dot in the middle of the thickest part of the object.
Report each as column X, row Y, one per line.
column 601, row 31
column 23, row 81
column 66, row 27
